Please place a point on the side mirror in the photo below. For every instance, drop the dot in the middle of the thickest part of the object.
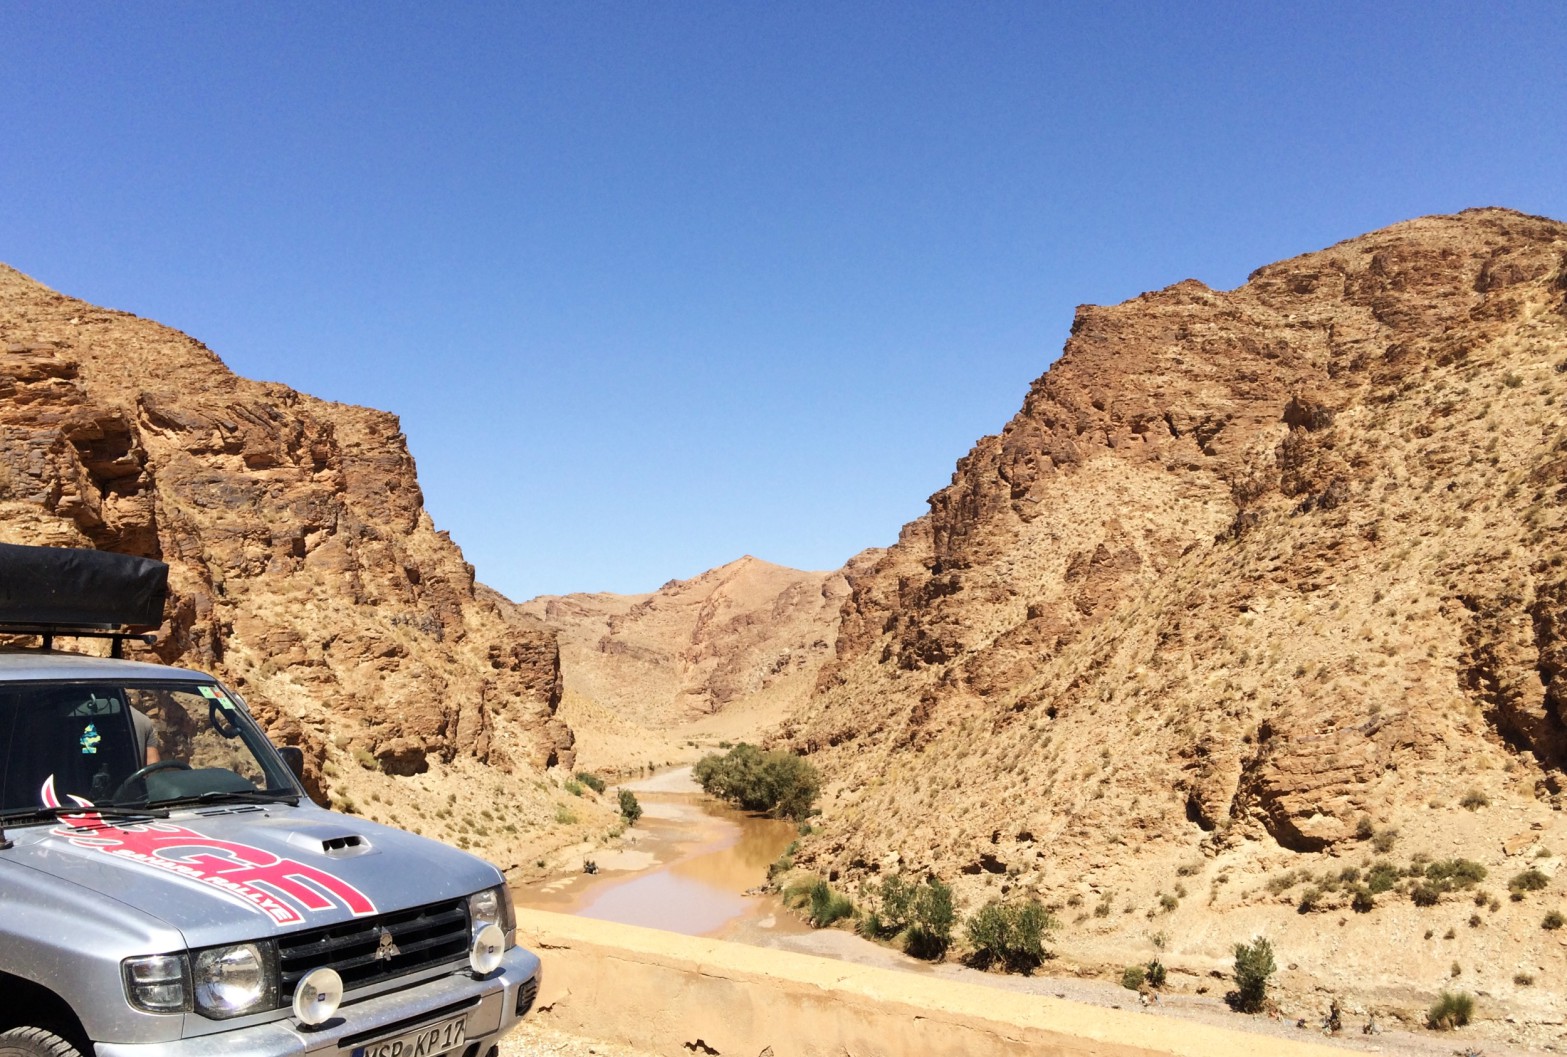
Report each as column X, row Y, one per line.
column 294, row 756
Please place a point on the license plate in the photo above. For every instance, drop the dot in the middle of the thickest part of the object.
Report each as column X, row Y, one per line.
column 420, row 1042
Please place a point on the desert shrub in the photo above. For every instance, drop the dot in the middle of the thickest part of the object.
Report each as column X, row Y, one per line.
column 1381, row 877
column 1524, row 979
column 1362, row 902
column 630, row 809
column 1132, row 977
column 1474, row 800
column 564, row 815
column 1451, row 1010
column 1425, row 895
column 777, row 782
column 1167, row 902
column 1384, row 840
column 573, row 787
column 591, row 780
column 1364, row 829
column 1449, row 874
column 1156, row 973
column 1531, row 880
column 1552, row 921
column 1011, row 934
column 1253, row 965
column 827, row 906
column 1310, row 899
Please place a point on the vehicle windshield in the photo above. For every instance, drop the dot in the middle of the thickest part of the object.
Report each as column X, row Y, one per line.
column 130, row 745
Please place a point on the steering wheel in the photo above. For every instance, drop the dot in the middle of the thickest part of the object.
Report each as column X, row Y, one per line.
column 142, row 772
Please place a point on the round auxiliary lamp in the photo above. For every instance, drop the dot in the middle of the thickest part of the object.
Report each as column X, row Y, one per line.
column 488, row 948
column 317, row 996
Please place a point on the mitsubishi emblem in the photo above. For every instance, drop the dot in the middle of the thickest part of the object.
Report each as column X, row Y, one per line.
column 386, row 950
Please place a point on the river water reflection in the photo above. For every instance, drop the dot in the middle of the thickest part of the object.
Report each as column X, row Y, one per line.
column 692, row 861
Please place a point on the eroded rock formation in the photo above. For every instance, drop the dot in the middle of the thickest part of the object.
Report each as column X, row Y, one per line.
column 304, row 569
column 1262, row 569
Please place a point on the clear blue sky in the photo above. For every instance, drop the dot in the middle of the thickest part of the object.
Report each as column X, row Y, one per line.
column 654, row 285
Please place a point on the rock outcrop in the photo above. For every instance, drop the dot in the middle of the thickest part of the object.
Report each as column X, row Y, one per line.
column 304, row 569
column 1251, row 574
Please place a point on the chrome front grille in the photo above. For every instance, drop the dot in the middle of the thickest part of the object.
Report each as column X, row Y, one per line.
column 366, row 950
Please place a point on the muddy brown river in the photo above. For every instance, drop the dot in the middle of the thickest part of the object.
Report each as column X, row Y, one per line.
column 686, row 868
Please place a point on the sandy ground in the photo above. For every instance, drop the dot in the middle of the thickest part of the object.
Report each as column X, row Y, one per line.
column 533, row 1039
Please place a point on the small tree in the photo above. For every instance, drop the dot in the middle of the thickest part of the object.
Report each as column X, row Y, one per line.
column 934, row 915
column 1253, row 965
column 630, row 810
column 1010, row 933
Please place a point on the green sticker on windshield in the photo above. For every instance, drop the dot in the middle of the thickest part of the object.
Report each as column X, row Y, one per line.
column 224, row 701
column 207, row 691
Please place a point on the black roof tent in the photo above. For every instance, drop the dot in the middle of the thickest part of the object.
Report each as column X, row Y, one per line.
column 52, row 591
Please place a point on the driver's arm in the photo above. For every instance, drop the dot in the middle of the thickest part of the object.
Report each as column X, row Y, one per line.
column 146, row 736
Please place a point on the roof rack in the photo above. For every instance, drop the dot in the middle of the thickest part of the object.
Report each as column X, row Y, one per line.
column 48, row 633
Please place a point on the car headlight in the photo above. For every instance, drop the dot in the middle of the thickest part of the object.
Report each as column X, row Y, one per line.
column 493, row 907
column 158, row 983
column 232, row 981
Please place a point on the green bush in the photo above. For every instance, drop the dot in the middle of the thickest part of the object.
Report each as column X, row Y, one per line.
column 1552, row 921
column 934, row 915
column 1450, row 874
column 1253, row 965
column 1381, row 877
column 1531, row 880
column 1010, row 934
column 1309, row 900
column 1362, row 902
column 591, row 780
column 1156, row 973
column 777, row 782
column 922, row 914
column 630, row 809
column 1132, row 977
column 827, row 906
column 1425, row 895
column 1451, row 1011
column 573, row 787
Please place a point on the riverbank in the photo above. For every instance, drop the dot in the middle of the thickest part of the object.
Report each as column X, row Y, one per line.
column 669, row 877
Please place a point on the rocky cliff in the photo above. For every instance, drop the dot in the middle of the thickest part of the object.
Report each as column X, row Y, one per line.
column 304, row 569
column 1256, row 581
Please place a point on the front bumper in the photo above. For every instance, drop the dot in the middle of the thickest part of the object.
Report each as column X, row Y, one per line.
column 490, row 1005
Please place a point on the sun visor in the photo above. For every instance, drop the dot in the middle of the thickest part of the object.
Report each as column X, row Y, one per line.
column 73, row 587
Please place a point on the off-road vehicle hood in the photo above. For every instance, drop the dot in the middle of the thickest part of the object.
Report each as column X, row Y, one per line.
column 233, row 873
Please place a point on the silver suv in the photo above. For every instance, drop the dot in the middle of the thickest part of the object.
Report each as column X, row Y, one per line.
column 167, row 887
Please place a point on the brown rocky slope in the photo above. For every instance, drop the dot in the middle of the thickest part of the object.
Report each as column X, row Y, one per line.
column 304, row 569
column 1257, row 582
column 712, row 658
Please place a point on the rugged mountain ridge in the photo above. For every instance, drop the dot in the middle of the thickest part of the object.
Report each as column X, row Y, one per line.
column 303, row 568
column 725, row 653
column 1252, row 577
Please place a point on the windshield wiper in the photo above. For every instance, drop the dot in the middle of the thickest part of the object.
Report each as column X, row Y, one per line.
column 44, row 814
column 243, row 796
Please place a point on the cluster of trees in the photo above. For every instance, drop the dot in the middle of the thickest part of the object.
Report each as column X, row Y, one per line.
column 779, row 783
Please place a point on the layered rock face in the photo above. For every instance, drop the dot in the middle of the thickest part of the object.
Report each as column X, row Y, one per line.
column 726, row 652
column 303, row 567
column 1252, row 573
